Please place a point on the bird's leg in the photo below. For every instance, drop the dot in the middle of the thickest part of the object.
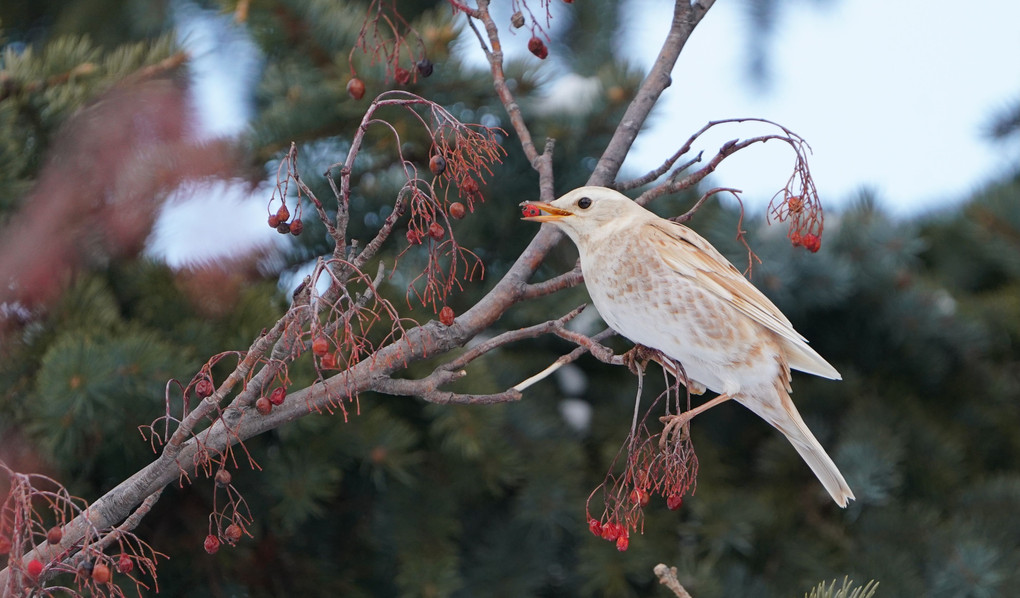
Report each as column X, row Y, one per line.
column 680, row 421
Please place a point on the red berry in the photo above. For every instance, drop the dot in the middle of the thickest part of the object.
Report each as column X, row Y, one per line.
column 329, row 361
column 437, row 165
column 35, row 567
column 622, row 543
column 283, row 214
column 278, row 395
column 639, row 497
column 211, row 544
column 595, row 526
column 125, row 564
column 5, row 545
column 530, row 211
column 296, row 227
column 610, row 532
column 795, row 239
column 233, row 533
column 469, row 186
column 436, row 231
column 283, row 228
column 425, row 67
column 204, row 387
column 413, row 237
column 356, row 88
column 812, row 242
column 263, row 406
column 223, row 478
column 446, row 315
column 320, row 346
column 457, row 210
column 101, row 573
column 402, row 75
column 795, row 204
column 537, row 47
column 674, row 502
column 274, row 221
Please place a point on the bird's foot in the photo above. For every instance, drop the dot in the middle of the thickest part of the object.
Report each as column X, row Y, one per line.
column 676, row 428
column 638, row 357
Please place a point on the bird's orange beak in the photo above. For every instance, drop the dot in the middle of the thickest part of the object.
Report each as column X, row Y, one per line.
column 533, row 212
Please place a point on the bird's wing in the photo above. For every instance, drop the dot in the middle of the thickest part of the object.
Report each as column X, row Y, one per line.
column 691, row 256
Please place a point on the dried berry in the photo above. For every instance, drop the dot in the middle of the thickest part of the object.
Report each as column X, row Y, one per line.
column 436, row 231
column 446, row 315
column 101, row 573
column 639, row 497
column 595, row 526
column 457, row 210
column 278, row 395
column 320, row 346
column 329, row 361
column 296, row 227
column 413, row 237
column 537, row 47
column 812, row 242
column 274, row 221
column 623, row 543
column 795, row 204
column 34, row 568
column 263, row 406
column 283, row 228
column 125, row 564
column 204, row 387
column 517, row 20
column 530, row 211
column 283, row 214
column 356, row 88
column 425, row 67
column 401, row 75
column 233, row 533
column 674, row 502
column 469, row 186
column 437, row 165
column 54, row 535
column 211, row 544
column 795, row 239
column 223, row 478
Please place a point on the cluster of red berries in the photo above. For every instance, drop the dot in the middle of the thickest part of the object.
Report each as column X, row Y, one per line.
column 425, row 68
column 265, row 404
column 279, row 222
column 613, row 532
column 810, row 241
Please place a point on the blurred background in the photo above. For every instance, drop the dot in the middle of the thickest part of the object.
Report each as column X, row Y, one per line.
column 139, row 144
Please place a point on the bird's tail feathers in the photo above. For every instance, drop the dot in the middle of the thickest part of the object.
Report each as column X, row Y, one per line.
column 787, row 419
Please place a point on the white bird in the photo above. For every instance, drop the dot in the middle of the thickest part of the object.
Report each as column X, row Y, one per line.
column 661, row 285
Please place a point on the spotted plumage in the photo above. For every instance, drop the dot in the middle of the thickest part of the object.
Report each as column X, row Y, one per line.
column 663, row 286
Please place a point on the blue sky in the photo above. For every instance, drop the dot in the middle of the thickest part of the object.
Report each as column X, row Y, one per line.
column 892, row 95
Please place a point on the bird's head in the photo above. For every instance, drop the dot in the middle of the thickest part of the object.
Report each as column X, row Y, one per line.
column 587, row 212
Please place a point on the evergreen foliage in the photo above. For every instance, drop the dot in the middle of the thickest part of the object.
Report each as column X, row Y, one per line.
column 922, row 318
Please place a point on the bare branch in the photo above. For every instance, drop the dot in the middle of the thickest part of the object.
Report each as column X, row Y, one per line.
column 685, row 18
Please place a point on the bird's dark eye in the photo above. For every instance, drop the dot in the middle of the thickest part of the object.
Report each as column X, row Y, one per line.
column 584, row 203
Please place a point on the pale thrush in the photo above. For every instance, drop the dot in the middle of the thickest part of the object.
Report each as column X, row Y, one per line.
column 663, row 286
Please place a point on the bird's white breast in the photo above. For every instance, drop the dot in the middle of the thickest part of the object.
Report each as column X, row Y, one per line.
column 640, row 297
